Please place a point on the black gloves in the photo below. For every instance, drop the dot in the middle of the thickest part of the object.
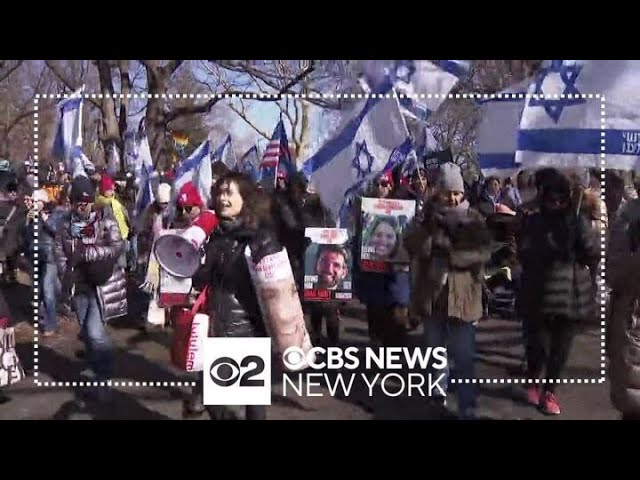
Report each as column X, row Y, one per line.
column 263, row 244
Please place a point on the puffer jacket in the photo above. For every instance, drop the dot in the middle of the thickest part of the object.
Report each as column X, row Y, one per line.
column 623, row 335
column 109, row 245
column 448, row 255
column 232, row 302
column 557, row 255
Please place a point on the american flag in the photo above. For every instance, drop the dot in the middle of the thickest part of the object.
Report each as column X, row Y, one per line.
column 276, row 157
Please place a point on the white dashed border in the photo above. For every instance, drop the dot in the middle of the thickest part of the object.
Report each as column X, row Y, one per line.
column 255, row 96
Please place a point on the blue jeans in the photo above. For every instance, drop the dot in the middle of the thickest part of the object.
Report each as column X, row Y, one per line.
column 459, row 338
column 94, row 334
column 50, row 290
column 132, row 254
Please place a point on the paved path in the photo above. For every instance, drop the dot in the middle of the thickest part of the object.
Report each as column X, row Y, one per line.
column 141, row 358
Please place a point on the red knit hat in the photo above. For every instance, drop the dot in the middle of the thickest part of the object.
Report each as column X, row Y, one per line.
column 188, row 196
column 106, row 183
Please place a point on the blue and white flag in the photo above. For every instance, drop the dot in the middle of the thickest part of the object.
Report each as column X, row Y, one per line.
column 144, row 196
column 113, row 160
column 78, row 164
column 567, row 131
column 196, row 169
column 373, row 138
column 225, row 154
column 497, row 135
column 69, row 134
column 249, row 164
column 130, row 152
column 137, row 154
column 410, row 78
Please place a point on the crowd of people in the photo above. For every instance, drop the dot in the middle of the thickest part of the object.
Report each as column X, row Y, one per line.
column 544, row 230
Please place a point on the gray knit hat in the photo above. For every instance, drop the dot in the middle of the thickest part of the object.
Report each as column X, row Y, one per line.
column 450, row 178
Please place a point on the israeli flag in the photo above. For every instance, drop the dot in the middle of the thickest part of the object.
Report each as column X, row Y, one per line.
column 497, row 135
column 569, row 131
column 137, row 154
column 410, row 78
column 225, row 154
column 373, row 138
column 69, row 134
column 249, row 164
column 113, row 160
column 144, row 196
column 197, row 169
column 130, row 152
column 78, row 164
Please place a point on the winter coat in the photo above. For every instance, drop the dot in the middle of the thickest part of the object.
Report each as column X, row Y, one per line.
column 13, row 233
column 448, row 255
column 289, row 229
column 557, row 254
column 46, row 236
column 108, row 246
column 623, row 336
column 377, row 289
column 232, row 302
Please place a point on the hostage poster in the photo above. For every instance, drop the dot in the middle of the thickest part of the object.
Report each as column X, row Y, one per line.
column 383, row 224
column 327, row 265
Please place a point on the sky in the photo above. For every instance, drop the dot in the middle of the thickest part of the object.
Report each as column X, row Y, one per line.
column 264, row 115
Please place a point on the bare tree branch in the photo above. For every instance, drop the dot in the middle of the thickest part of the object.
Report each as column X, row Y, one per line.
column 10, row 71
column 173, row 65
column 56, row 71
column 244, row 117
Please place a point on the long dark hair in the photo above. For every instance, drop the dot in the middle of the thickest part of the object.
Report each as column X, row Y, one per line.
column 256, row 205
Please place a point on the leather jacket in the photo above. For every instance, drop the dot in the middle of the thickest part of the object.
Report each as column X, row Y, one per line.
column 232, row 304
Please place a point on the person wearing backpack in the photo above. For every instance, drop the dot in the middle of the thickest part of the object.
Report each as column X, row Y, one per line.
column 87, row 248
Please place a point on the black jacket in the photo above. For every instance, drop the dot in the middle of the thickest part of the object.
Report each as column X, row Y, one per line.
column 557, row 257
column 233, row 305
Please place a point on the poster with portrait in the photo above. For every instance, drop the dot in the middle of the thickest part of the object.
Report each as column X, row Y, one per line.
column 327, row 265
column 384, row 222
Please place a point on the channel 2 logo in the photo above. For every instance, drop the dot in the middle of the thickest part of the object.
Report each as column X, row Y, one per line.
column 237, row 371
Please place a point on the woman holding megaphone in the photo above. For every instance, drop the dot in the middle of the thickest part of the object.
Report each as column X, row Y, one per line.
column 233, row 304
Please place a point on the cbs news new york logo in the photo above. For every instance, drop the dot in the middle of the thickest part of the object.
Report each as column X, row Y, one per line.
column 237, row 371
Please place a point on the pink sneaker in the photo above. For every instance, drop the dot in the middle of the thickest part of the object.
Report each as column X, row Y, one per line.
column 549, row 404
column 533, row 395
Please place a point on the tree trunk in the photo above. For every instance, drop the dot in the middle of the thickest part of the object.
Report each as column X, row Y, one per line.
column 125, row 85
column 111, row 129
column 157, row 82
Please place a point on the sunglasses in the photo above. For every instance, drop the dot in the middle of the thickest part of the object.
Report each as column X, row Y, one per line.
column 383, row 183
column 187, row 209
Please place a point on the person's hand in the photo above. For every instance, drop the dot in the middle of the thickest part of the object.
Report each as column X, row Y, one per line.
column 262, row 246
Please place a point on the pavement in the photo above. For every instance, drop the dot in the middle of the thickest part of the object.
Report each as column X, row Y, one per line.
column 141, row 357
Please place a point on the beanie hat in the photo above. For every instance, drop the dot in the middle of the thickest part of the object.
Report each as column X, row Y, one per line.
column 82, row 190
column 450, row 178
column 189, row 196
column 106, row 183
column 164, row 193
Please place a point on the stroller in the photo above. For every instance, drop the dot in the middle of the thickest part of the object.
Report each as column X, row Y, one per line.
column 502, row 272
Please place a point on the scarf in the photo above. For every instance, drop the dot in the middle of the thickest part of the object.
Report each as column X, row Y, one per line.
column 446, row 218
column 84, row 228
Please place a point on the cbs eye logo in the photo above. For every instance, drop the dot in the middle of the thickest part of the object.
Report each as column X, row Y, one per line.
column 225, row 371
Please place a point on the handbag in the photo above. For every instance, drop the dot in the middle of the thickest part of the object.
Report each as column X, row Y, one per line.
column 11, row 370
column 190, row 330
